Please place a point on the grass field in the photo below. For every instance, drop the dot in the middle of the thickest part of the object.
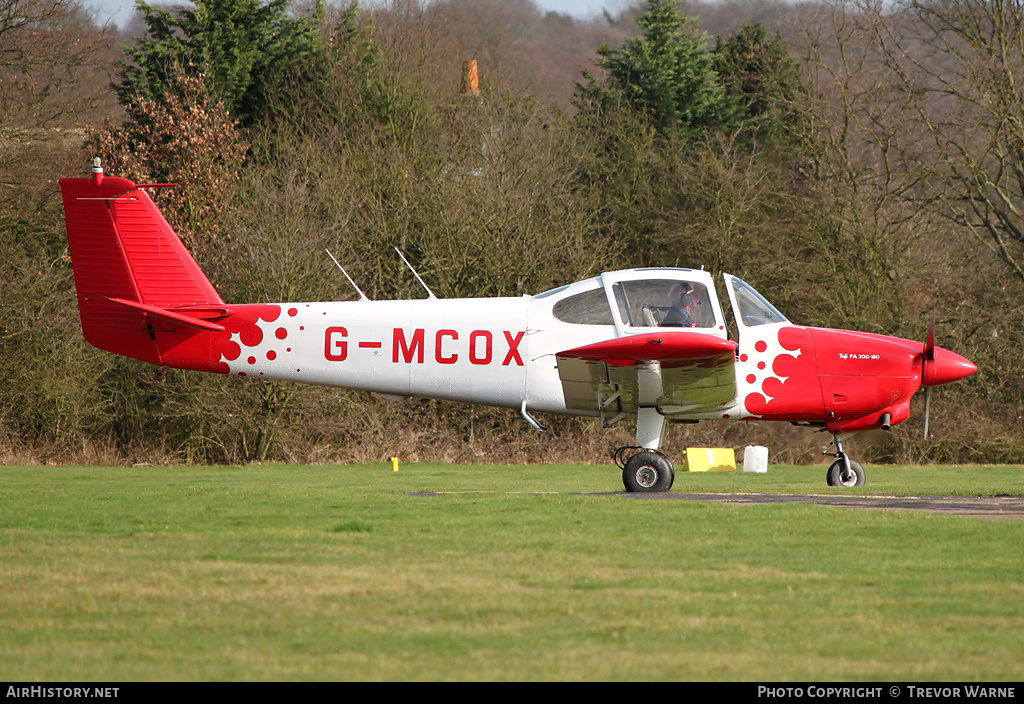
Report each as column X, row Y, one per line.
column 437, row 572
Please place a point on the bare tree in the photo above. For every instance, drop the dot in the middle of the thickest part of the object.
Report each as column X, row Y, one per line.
column 47, row 48
column 959, row 65
column 53, row 77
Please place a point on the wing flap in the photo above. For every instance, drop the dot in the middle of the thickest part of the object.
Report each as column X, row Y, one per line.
column 695, row 371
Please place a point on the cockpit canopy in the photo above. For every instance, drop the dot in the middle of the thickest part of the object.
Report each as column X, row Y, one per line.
column 638, row 300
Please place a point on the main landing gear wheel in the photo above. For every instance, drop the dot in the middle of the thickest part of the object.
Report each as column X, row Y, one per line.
column 838, row 476
column 648, row 472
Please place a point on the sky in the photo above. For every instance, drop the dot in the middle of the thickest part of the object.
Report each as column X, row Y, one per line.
column 119, row 12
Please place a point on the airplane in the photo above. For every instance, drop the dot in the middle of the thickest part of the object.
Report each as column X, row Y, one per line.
column 650, row 343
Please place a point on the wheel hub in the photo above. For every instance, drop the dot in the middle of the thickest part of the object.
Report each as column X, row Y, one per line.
column 646, row 476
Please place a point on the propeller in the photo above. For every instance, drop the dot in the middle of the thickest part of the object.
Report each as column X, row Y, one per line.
column 940, row 366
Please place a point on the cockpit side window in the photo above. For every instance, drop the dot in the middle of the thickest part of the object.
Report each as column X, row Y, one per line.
column 588, row 308
column 664, row 303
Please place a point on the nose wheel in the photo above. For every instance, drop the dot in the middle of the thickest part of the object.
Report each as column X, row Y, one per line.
column 844, row 471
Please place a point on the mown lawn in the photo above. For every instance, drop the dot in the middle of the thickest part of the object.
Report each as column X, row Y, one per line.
column 437, row 572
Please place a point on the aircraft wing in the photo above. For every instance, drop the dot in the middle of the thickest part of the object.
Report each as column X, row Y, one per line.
column 679, row 371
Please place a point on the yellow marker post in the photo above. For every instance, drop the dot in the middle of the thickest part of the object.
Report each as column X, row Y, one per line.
column 394, row 464
column 710, row 459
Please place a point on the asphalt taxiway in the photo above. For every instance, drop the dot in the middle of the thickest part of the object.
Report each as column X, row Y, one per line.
column 988, row 506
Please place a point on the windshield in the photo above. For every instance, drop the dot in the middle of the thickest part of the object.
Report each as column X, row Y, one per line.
column 752, row 308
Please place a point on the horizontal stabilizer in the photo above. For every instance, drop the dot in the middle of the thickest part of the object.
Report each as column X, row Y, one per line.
column 171, row 316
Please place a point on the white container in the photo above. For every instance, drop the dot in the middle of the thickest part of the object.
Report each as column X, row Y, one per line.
column 755, row 459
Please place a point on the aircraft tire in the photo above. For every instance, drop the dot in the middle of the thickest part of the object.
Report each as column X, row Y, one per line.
column 648, row 472
column 835, row 474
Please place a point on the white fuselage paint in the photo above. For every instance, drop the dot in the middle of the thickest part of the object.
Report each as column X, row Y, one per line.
column 481, row 351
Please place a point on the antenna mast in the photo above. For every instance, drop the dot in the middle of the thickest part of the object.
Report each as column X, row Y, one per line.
column 362, row 296
column 430, row 294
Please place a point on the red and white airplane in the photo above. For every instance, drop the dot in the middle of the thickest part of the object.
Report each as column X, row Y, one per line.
column 646, row 343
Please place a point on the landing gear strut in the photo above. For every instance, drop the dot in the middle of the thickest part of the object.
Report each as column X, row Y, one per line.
column 844, row 471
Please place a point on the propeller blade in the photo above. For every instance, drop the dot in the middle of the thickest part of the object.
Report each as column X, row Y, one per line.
column 929, row 356
column 929, row 345
column 927, row 408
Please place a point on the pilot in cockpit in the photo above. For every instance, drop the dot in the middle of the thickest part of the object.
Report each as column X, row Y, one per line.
column 681, row 300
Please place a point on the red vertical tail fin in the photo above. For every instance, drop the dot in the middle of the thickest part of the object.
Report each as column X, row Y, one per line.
column 132, row 273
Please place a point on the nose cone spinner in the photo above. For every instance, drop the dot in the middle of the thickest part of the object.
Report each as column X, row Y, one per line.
column 943, row 366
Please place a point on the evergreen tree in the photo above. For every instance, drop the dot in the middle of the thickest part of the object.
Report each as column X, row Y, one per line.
column 761, row 77
column 243, row 47
column 666, row 73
